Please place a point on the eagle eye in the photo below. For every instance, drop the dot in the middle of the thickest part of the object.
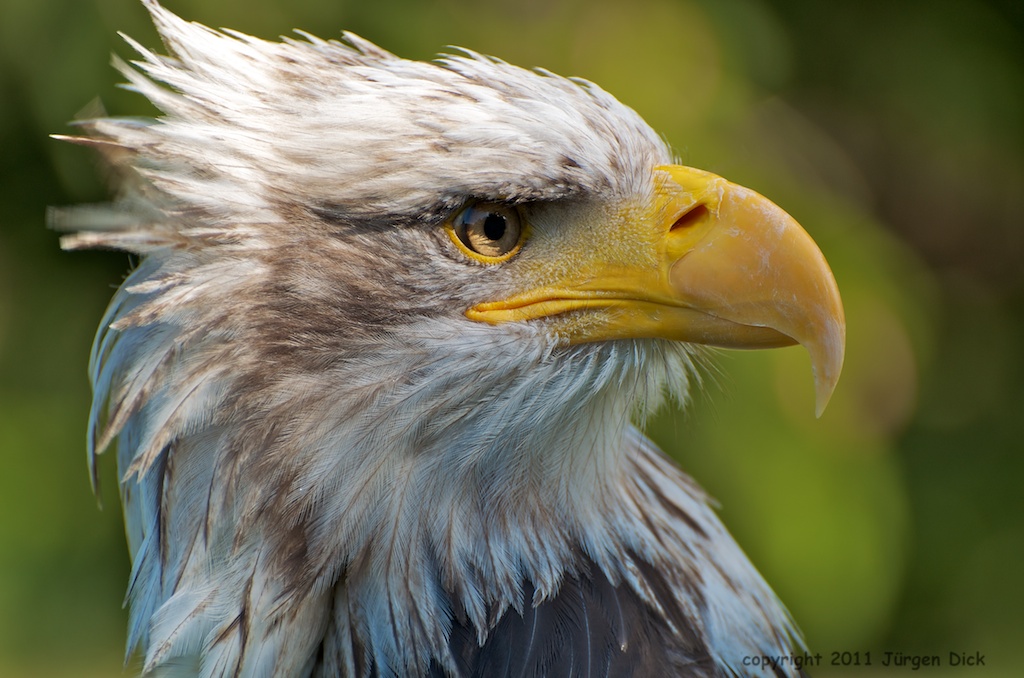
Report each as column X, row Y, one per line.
column 487, row 231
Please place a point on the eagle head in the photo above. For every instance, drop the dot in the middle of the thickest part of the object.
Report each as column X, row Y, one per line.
column 372, row 381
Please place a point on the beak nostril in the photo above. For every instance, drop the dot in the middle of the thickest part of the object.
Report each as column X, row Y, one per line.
column 693, row 216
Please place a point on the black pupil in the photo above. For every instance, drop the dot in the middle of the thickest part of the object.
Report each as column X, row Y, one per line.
column 494, row 226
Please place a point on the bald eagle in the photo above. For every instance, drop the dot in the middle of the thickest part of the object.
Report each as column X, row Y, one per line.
column 372, row 381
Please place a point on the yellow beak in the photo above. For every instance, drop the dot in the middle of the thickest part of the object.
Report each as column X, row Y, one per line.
column 708, row 262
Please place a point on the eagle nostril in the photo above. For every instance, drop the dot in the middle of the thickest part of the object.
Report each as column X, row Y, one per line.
column 693, row 216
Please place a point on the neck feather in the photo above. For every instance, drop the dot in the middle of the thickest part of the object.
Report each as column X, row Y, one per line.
column 383, row 493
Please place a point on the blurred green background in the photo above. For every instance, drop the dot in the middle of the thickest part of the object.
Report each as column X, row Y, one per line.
column 894, row 131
